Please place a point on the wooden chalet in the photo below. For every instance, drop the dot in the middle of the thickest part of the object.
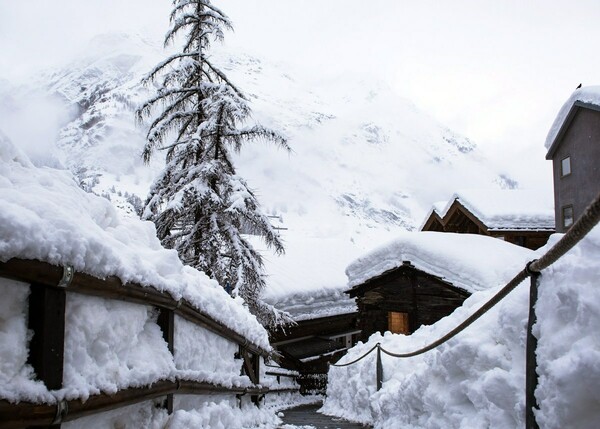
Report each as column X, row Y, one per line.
column 424, row 276
column 518, row 217
column 403, row 299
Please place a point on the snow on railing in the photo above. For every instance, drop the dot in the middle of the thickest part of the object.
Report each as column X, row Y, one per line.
column 49, row 286
column 588, row 220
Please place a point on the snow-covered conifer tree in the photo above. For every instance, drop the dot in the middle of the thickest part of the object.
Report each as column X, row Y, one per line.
column 199, row 204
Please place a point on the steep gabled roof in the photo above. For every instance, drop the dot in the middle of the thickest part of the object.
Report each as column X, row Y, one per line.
column 587, row 97
column 500, row 210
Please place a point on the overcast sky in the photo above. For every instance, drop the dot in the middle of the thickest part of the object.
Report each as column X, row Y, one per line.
column 495, row 71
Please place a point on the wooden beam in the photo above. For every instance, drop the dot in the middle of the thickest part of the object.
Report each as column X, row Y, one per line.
column 166, row 322
column 47, row 321
column 24, row 414
column 32, row 271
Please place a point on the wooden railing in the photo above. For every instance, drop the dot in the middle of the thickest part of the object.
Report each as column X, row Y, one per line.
column 49, row 285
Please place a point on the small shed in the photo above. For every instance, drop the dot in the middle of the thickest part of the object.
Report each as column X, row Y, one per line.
column 524, row 218
column 573, row 145
column 422, row 277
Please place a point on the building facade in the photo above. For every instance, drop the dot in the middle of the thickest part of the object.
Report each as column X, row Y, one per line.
column 575, row 155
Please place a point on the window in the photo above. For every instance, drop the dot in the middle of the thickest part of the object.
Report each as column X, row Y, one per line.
column 398, row 323
column 565, row 166
column 567, row 216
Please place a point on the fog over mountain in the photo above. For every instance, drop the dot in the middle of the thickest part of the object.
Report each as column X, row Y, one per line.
column 365, row 163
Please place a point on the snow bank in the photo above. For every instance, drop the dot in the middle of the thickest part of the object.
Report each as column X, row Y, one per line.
column 111, row 345
column 46, row 216
column 205, row 356
column 16, row 376
column 471, row 262
column 569, row 339
column 587, row 94
column 477, row 378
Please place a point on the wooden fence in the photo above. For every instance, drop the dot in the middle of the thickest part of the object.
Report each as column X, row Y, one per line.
column 49, row 285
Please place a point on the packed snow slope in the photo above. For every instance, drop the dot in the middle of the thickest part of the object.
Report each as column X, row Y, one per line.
column 365, row 161
column 477, row 379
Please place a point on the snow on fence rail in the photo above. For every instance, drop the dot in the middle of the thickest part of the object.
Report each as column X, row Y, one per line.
column 49, row 286
column 588, row 220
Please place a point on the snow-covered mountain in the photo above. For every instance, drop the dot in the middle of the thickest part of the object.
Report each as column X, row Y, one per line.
column 365, row 161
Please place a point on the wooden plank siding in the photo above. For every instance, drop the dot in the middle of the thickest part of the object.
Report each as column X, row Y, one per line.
column 424, row 297
column 459, row 219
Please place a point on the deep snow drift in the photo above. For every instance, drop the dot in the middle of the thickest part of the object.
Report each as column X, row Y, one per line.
column 477, row 379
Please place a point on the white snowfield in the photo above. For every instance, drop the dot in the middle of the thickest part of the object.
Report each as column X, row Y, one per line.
column 508, row 209
column 477, row 379
column 586, row 94
column 468, row 261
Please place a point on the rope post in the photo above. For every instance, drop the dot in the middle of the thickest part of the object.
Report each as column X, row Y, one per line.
column 531, row 376
column 379, row 368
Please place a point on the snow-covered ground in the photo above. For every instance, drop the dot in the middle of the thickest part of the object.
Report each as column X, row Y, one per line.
column 477, row 379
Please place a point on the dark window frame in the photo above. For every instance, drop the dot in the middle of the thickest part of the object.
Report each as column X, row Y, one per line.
column 562, row 173
column 563, row 220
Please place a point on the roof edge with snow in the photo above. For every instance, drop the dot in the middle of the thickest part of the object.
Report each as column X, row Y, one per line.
column 587, row 97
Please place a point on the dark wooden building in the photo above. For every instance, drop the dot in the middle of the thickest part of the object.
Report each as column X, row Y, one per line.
column 574, row 148
column 403, row 299
column 309, row 346
column 326, row 327
column 421, row 277
column 512, row 223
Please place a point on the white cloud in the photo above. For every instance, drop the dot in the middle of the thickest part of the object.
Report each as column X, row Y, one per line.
column 485, row 68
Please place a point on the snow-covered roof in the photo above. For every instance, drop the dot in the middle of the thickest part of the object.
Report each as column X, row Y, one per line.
column 46, row 216
column 469, row 261
column 587, row 95
column 512, row 209
column 308, row 281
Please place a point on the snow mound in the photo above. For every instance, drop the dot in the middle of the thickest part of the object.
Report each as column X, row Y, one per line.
column 471, row 262
column 587, row 94
column 46, row 216
column 477, row 378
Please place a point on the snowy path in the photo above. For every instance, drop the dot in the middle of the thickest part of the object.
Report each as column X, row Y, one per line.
column 306, row 416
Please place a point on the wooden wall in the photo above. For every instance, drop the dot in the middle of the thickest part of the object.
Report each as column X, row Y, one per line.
column 424, row 297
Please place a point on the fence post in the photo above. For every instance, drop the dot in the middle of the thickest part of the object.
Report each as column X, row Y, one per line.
column 531, row 377
column 251, row 368
column 166, row 322
column 379, row 368
column 46, row 349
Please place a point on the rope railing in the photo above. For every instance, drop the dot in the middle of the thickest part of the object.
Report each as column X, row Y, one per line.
column 588, row 220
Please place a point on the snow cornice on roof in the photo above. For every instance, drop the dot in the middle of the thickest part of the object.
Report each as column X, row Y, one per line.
column 587, row 97
column 468, row 261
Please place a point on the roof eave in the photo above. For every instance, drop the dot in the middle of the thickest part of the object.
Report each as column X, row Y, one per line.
column 567, row 122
